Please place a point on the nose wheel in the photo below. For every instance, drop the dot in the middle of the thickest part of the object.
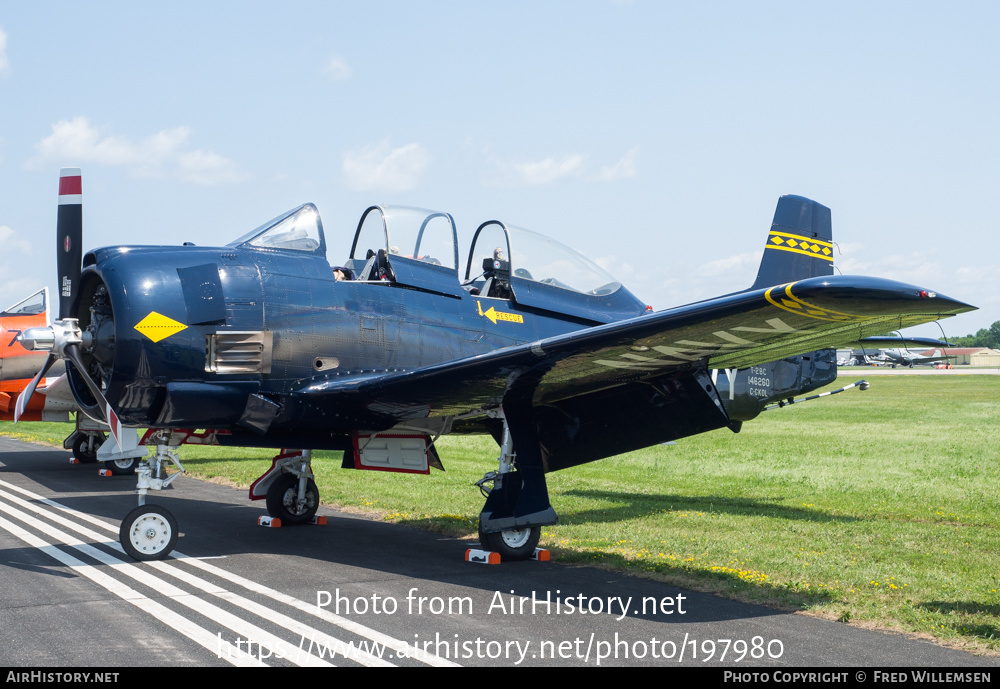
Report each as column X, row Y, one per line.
column 149, row 532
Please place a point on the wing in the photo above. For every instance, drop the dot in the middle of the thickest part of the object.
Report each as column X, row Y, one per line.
column 735, row 331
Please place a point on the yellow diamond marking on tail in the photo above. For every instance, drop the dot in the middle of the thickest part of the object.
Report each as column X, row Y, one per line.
column 157, row 327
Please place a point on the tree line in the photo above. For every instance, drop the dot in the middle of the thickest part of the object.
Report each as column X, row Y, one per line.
column 986, row 337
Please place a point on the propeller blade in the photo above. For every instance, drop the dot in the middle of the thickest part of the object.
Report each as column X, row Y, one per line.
column 69, row 238
column 72, row 352
column 25, row 396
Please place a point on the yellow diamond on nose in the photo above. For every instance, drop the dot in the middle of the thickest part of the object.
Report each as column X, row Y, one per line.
column 157, row 327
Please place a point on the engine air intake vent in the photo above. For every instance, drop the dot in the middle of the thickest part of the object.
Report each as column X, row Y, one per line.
column 238, row 352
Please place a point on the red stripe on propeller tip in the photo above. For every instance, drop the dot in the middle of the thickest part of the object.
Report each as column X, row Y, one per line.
column 70, row 186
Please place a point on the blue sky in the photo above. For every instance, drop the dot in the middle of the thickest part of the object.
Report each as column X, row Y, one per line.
column 655, row 137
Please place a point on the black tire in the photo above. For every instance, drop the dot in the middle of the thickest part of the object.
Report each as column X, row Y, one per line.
column 282, row 496
column 513, row 544
column 122, row 467
column 81, row 446
column 149, row 532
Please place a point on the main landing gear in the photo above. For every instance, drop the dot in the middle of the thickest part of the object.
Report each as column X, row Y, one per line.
column 517, row 499
column 512, row 544
column 92, row 446
column 291, row 501
column 149, row 532
column 85, row 446
column 288, row 488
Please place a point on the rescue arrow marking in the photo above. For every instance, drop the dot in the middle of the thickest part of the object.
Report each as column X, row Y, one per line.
column 495, row 315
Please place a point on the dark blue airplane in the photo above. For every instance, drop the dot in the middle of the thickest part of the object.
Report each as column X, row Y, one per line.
column 267, row 343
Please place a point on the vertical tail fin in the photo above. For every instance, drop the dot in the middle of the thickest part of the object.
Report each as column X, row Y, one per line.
column 799, row 244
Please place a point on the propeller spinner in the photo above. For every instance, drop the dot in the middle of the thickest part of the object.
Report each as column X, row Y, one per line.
column 63, row 339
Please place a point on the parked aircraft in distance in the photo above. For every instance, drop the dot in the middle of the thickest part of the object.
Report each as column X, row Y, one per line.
column 904, row 357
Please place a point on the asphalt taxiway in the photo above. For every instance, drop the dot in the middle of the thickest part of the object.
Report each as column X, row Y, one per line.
column 353, row 592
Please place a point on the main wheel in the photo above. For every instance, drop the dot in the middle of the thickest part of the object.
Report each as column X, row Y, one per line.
column 512, row 544
column 85, row 451
column 149, row 532
column 123, row 467
column 282, row 499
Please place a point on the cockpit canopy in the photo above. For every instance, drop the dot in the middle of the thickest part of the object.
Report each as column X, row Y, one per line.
column 35, row 305
column 412, row 233
column 538, row 258
column 300, row 229
column 539, row 272
column 418, row 248
column 409, row 246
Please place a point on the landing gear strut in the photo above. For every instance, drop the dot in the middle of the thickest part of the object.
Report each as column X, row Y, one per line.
column 149, row 532
column 517, row 501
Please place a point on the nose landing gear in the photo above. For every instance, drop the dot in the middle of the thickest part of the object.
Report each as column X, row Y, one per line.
column 149, row 532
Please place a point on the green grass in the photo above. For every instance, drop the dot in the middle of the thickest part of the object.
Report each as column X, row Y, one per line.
column 876, row 508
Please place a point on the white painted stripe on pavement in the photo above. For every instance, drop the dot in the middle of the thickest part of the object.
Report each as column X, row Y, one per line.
column 195, row 603
column 198, row 634
column 400, row 647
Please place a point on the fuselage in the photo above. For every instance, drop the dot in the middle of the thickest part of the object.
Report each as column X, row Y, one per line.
column 230, row 337
column 314, row 327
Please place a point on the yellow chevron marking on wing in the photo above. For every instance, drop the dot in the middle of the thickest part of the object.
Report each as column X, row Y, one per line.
column 789, row 302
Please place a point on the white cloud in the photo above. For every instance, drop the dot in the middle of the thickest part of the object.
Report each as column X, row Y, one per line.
column 337, row 69
column 740, row 264
column 4, row 62
column 10, row 240
column 550, row 169
column 914, row 268
column 623, row 169
column 164, row 153
column 206, row 168
column 381, row 168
